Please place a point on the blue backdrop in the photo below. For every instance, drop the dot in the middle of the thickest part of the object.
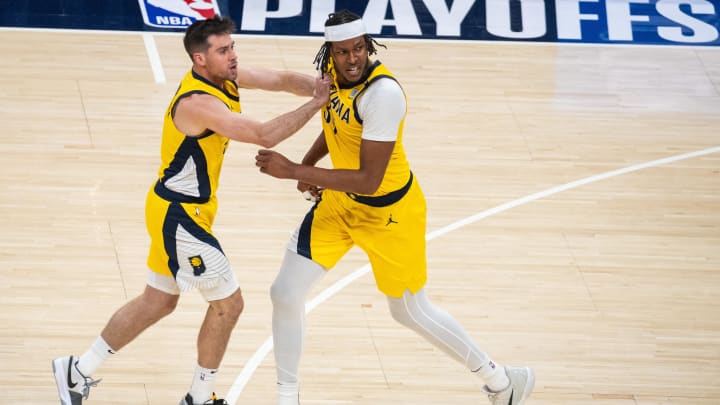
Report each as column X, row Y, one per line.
column 667, row 22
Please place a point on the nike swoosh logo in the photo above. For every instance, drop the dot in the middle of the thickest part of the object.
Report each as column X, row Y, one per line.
column 69, row 378
column 512, row 393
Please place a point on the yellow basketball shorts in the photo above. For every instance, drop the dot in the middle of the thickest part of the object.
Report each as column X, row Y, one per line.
column 182, row 245
column 392, row 236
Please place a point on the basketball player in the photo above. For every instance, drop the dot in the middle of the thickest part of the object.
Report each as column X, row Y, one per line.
column 369, row 198
column 201, row 119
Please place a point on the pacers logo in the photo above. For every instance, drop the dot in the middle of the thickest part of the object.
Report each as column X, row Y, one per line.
column 197, row 264
column 177, row 13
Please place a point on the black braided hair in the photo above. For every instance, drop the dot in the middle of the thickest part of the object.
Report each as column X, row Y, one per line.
column 341, row 17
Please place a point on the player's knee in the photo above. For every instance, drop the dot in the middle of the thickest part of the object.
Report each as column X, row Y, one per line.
column 236, row 305
column 168, row 307
column 284, row 296
column 230, row 307
column 159, row 304
column 400, row 313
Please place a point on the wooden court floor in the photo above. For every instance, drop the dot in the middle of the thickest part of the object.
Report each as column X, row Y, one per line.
column 574, row 223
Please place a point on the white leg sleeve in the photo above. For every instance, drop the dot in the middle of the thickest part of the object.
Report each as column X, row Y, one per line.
column 440, row 328
column 289, row 291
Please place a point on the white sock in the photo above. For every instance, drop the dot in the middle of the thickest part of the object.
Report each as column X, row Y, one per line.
column 203, row 384
column 493, row 375
column 94, row 357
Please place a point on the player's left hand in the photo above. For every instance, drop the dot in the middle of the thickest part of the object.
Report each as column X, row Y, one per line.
column 310, row 192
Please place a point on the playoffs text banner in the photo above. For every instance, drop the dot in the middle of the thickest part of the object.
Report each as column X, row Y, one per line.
column 666, row 22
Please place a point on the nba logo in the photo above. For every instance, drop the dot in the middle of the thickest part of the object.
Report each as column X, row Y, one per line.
column 177, row 13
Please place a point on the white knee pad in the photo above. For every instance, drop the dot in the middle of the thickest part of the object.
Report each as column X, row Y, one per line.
column 296, row 278
column 407, row 310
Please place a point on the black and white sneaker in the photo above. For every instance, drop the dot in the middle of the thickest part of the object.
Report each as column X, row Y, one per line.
column 188, row 400
column 522, row 381
column 72, row 385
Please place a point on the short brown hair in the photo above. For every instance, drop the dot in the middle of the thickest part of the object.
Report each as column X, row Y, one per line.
column 196, row 35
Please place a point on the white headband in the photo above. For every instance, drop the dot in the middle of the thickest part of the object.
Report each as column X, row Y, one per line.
column 345, row 31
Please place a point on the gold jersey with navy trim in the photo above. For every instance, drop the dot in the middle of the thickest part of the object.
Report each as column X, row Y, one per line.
column 343, row 130
column 182, row 204
column 388, row 225
column 191, row 165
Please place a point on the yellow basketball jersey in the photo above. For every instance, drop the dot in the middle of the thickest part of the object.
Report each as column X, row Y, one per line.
column 190, row 168
column 343, row 130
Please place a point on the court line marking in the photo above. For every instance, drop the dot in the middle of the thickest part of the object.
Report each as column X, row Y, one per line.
column 247, row 372
column 154, row 58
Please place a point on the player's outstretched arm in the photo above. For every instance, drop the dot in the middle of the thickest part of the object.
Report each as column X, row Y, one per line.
column 198, row 112
column 276, row 80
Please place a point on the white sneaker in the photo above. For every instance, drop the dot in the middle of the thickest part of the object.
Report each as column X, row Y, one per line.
column 72, row 385
column 522, row 380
